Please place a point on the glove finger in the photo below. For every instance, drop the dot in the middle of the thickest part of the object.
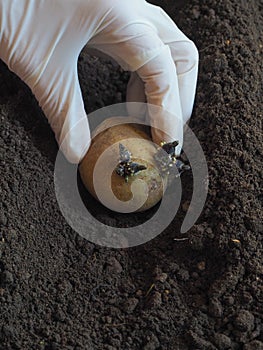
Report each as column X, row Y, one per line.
column 162, row 90
column 59, row 95
column 136, row 46
column 136, row 93
column 166, row 28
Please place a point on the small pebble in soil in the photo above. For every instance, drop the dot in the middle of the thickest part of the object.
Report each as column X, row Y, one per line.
column 244, row 321
column 201, row 266
column 11, row 235
column 183, row 275
column 159, row 275
column 130, row 305
column 155, row 300
column 59, row 315
column 107, row 319
column 166, row 295
column 197, row 243
column 113, row 266
column 162, row 277
column 7, row 277
column 14, row 186
column 254, row 345
column 199, row 343
column 247, row 297
column 229, row 300
column 215, row 308
column 139, row 293
column 196, row 12
column 222, row 341
column 152, row 343
column 3, row 219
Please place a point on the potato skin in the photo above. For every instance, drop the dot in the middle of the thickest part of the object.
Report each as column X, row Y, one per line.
column 142, row 149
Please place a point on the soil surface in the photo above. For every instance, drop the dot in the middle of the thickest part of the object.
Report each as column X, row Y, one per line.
column 61, row 292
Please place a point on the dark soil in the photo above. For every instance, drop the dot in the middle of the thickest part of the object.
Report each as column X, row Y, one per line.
column 58, row 291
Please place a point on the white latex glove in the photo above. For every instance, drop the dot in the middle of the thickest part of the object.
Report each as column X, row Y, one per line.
column 40, row 40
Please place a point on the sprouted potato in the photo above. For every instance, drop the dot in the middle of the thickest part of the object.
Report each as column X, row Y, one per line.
column 129, row 157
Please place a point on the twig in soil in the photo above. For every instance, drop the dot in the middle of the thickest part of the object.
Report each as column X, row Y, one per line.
column 181, row 239
column 236, row 240
column 207, row 47
column 224, row 42
column 149, row 290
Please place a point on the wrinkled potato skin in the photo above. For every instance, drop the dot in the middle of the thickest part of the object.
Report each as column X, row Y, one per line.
column 142, row 153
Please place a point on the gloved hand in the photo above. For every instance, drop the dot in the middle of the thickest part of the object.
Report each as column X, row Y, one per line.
column 40, row 40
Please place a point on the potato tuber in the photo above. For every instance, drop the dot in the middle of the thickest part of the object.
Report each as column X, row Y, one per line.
column 134, row 195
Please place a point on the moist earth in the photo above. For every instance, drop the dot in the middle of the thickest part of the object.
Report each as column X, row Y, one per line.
column 205, row 291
